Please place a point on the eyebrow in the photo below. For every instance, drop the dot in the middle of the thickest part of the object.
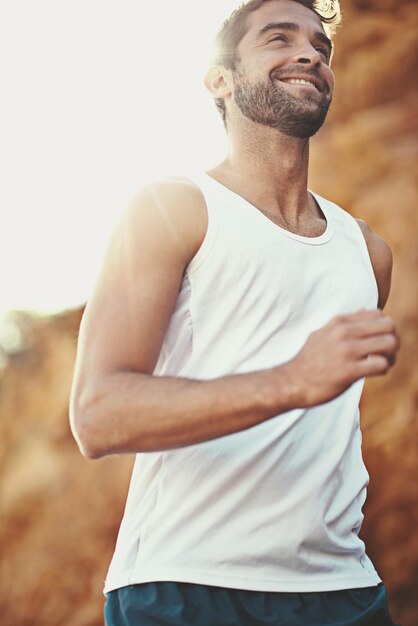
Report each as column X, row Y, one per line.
column 291, row 26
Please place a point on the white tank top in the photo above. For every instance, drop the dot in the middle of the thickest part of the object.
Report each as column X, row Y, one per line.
column 277, row 507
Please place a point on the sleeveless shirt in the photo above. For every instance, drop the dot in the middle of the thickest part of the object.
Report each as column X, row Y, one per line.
column 277, row 507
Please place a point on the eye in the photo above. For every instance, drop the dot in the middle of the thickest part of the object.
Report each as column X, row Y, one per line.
column 278, row 38
column 324, row 51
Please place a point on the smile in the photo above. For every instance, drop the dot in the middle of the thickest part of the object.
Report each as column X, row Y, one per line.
column 300, row 81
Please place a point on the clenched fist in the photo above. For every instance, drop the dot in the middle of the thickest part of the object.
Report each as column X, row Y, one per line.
column 348, row 348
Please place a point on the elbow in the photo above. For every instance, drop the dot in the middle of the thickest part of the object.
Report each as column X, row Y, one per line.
column 84, row 429
column 82, row 433
column 88, row 449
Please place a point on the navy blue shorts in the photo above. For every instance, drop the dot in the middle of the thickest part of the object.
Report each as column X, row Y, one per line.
column 186, row 604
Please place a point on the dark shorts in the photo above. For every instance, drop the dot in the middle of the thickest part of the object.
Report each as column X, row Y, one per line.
column 186, row 604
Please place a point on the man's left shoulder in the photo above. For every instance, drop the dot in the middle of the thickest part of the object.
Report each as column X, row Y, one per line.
column 381, row 258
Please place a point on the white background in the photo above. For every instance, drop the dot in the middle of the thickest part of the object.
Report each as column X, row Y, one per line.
column 97, row 98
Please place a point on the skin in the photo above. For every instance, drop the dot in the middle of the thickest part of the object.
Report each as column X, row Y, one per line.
column 117, row 406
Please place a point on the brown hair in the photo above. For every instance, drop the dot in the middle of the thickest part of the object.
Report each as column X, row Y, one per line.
column 235, row 27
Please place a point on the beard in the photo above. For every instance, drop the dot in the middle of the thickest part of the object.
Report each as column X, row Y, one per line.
column 274, row 106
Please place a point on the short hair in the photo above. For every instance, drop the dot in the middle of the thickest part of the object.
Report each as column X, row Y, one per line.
column 234, row 29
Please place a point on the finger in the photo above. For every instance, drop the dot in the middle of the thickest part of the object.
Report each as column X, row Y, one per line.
column 373, row 365
column 368, row 328
column 363, row 315
column 386, row 344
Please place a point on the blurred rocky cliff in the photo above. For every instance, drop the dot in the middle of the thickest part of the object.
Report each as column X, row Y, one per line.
column 60, row 512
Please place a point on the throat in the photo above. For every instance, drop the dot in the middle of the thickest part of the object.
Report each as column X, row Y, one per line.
column 307, row 225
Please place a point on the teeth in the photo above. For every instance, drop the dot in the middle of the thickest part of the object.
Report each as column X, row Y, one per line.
column 300, row 81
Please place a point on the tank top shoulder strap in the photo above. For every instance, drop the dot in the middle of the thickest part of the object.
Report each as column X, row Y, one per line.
column 211, row 197
column 346, row 223
column 211, row 191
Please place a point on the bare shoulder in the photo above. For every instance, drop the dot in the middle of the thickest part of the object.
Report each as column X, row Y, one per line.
column 171, row 209
column 382, row 261
column 130, row 307
column 176, row 192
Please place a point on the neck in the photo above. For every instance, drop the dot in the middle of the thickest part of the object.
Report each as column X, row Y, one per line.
column 268, row 167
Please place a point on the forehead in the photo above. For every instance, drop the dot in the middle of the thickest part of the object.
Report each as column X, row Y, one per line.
column 280, row 11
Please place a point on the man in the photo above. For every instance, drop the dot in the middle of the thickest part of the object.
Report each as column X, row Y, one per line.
column 226, row 343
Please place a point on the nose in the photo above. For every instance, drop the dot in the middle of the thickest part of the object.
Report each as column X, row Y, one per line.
column 308, row 56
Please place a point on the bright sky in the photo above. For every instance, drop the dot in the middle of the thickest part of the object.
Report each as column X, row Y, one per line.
column 98, row 96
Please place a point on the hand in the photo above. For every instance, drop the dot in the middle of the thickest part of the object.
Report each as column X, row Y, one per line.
column 348, row 348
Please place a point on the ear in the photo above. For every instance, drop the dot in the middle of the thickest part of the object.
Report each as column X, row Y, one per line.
column 218, row 81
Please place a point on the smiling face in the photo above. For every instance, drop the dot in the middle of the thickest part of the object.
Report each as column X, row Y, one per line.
column 282, row 78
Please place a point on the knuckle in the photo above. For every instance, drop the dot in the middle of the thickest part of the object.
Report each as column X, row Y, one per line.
column 341, row 332
column 392, row 342
column 337, row 321
column 333, row 321
column 390, row 324
column 382, row 364
column 376, row 364
column 346, row 352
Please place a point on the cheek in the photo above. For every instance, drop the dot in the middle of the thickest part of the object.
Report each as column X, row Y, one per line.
column 329, row 77
column 266, row 62
column 277, row 59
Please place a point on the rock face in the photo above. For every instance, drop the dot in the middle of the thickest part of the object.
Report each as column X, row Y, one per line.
column 60, row 512
column 365, row 160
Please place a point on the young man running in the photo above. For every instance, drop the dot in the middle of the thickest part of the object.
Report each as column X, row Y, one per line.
column 226, row 343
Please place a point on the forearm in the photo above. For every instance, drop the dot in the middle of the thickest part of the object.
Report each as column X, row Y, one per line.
column 126, row 411
column 132, row 412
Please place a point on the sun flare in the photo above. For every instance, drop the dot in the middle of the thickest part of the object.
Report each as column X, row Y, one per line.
column 100, row 97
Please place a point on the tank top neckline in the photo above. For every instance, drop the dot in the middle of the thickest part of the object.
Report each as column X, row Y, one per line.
column 320, row 239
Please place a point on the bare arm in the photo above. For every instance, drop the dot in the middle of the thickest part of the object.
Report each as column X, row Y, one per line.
column 118, row 406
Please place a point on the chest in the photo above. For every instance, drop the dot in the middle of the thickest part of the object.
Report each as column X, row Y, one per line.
column 261, row 270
